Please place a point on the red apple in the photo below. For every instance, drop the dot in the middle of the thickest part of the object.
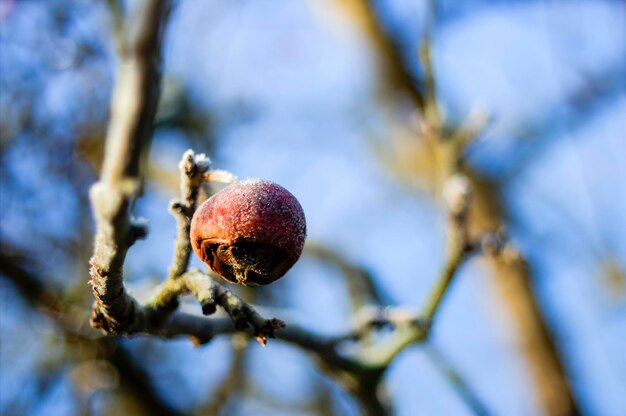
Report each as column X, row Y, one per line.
column 250, row 233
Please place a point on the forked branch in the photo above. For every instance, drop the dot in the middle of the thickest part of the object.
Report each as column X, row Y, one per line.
column 130, row 129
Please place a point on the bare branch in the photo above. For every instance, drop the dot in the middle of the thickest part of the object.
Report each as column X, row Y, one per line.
column 136, row 94
column 211, row 294
column 132, row 114
column 192, row 170
column 430, row 109
column 396, row 65
column 513, row 278
column 458, row 193
column 218, row 175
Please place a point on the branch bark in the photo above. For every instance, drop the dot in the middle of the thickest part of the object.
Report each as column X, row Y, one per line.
column 192, row 169
column 133, row 109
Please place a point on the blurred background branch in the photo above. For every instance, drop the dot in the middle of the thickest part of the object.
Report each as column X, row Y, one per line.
column 514, row 281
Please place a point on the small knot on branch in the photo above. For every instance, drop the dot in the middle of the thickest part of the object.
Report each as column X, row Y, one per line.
column 267, row 330
column 457, row 192
column 105, row 323
column 192, row 163
column 425, row 324
column 138, row 230
column 218, row 175
column 178, row 208
column 198, row 341
column 208, row 308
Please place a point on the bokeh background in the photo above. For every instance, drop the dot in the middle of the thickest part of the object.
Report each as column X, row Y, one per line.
column 300, row 92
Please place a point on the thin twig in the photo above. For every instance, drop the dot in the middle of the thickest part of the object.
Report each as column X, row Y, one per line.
column 192, row 170
column 210, row 295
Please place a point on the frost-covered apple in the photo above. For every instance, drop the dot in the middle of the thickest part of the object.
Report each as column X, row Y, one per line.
column 250, row 233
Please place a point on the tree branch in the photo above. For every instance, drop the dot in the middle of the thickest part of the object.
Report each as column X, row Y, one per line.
column 210, row 295
column 394, row 64
column 133, row 108
column 458, row 195
column 513, row 279
column 192, row 169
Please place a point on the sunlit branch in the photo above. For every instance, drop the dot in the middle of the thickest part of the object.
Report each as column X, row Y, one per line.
column 210, row 295
column 133, row 108
column 192, row 169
